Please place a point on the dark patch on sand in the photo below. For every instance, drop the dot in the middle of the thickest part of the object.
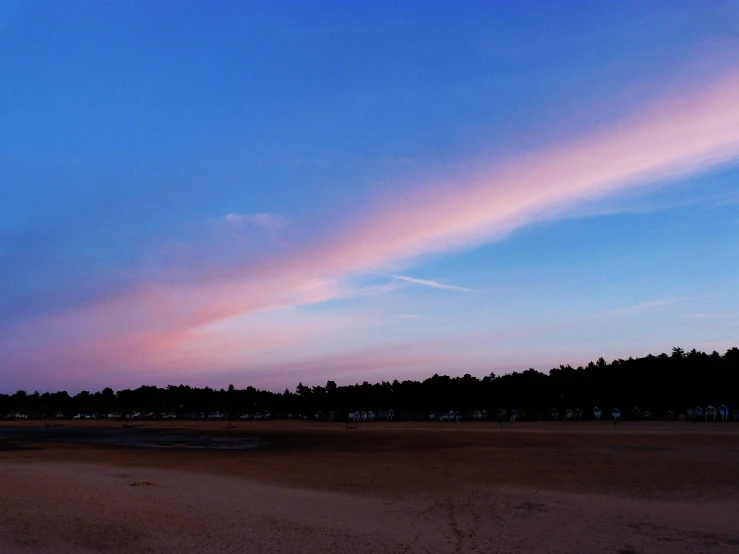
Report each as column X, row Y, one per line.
column 532, row 507
column 28, row 438
column 13, row 446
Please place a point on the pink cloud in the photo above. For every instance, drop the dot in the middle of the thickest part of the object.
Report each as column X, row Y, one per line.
column 678, row 136
column 675, row 138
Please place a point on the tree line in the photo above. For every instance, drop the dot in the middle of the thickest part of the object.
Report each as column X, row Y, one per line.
column 674, row 381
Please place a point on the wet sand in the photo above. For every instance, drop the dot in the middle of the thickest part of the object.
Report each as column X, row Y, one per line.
column 401, row 487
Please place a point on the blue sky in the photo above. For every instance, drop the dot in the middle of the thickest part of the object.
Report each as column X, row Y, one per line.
column 217, row 193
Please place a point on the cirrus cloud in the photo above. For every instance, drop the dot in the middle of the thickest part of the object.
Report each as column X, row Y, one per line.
column 432, row 284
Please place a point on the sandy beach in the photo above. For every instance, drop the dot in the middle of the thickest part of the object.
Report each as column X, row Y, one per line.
column 401, row 487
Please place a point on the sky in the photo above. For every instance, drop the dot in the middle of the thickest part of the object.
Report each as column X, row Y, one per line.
column 267, row 193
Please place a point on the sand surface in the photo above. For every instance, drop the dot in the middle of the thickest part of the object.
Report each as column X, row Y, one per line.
column 400, row 487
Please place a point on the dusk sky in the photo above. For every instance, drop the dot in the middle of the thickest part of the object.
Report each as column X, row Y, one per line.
column 263, row 193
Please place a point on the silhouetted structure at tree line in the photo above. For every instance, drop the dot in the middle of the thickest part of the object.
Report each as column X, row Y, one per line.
column 655, row 383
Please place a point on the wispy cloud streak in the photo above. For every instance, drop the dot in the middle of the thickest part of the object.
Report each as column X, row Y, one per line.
column 432, row 284
column 710, row 316
column 636, row 308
